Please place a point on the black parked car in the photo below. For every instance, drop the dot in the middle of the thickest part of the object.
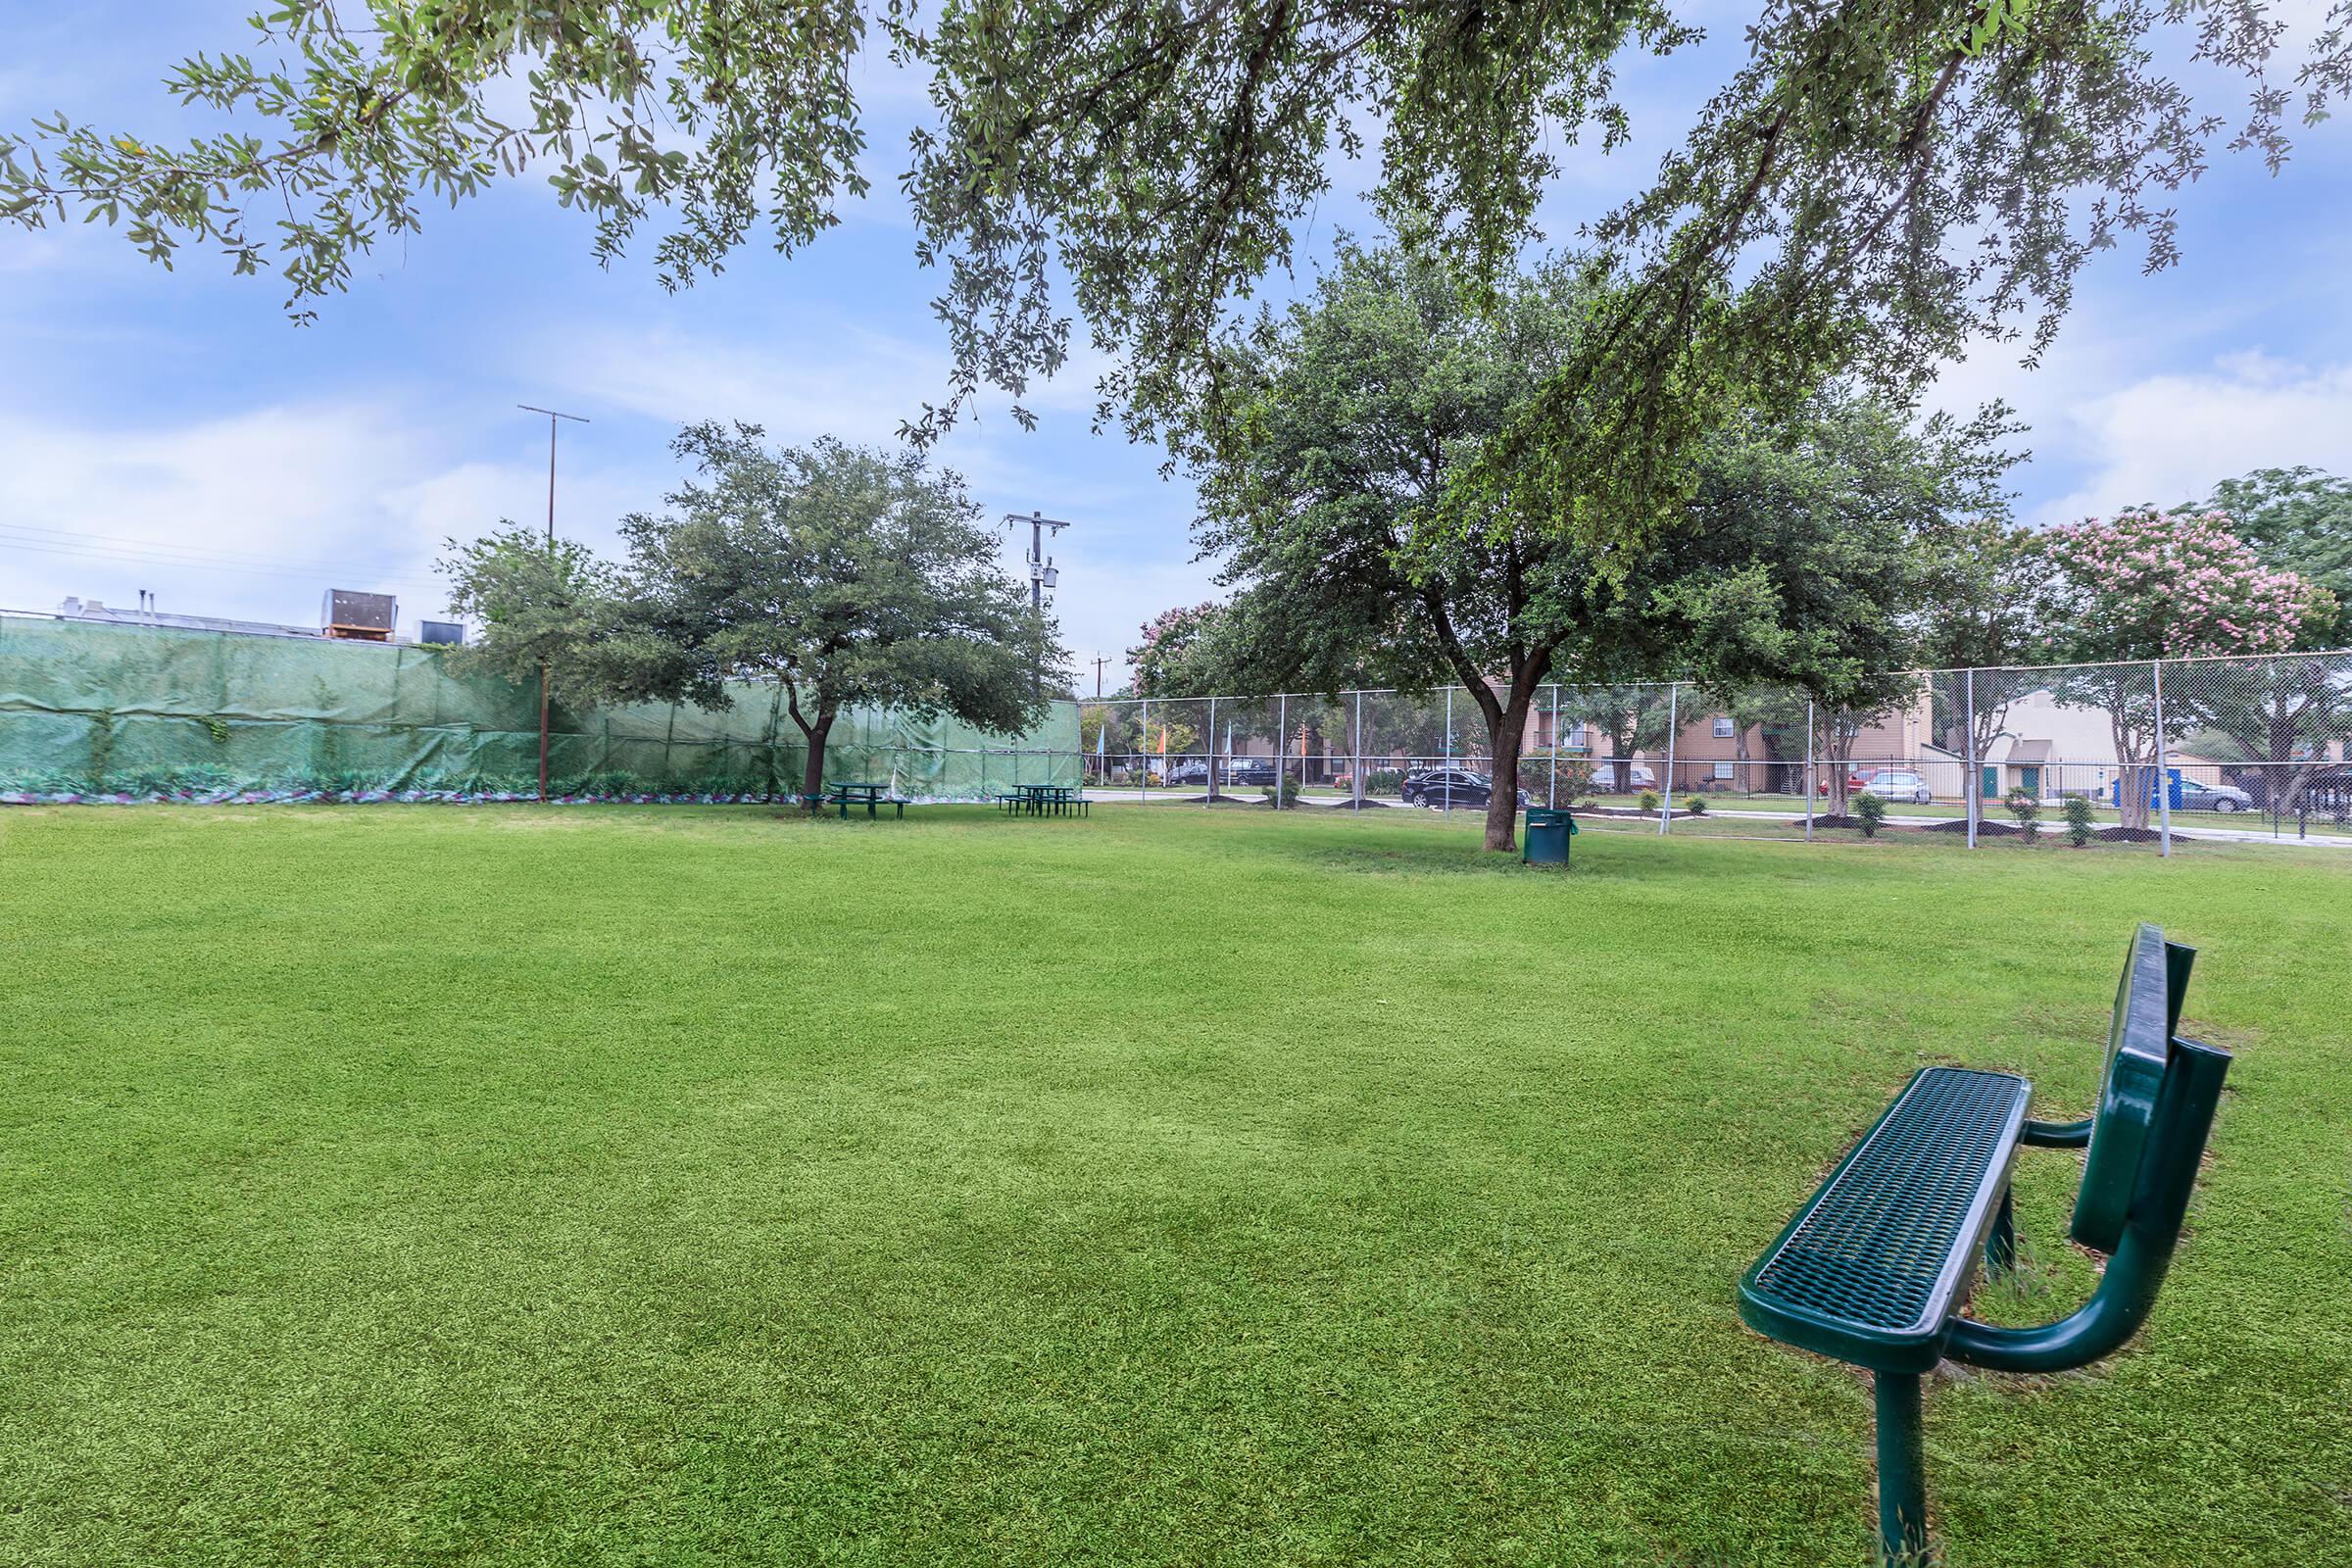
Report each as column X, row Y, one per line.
column 1250, row 770
column 1456, row 787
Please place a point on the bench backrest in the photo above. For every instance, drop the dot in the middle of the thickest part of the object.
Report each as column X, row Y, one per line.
column 2140, row 1051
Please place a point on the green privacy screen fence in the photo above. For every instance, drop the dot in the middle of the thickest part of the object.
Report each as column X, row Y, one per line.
column 91, row 711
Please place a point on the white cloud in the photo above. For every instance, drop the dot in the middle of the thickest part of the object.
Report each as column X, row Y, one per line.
column 2168, row 437
column 252, row 515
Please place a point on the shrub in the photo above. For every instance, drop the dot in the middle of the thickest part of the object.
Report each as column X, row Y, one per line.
column 1650, row 801
column 2077, row 820
column 1869, row 811
column 1696, row 803
column 1282, row 792
column 1383, row 780
column 2027, row 812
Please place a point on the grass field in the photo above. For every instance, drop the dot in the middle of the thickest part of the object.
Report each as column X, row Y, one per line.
column 605, row 1186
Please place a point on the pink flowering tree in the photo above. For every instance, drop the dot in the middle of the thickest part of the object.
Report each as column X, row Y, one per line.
column 2143, row 586
column 1170, row 639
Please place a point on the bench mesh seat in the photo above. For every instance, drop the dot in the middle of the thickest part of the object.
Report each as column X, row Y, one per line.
column 1871, row 1267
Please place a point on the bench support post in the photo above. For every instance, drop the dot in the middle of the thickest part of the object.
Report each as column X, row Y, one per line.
column 2000, row 1247
column 1902, row 1470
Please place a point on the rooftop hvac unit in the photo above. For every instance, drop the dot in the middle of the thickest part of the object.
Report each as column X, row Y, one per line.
column 449, row 633
column 364, row 617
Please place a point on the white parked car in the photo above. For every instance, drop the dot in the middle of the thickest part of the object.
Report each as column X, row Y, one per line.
column 1604, row 778
column 1889, row 784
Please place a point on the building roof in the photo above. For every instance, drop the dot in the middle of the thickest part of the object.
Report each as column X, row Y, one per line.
column 92, row 609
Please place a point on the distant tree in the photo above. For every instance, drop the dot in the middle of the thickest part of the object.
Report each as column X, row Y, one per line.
column 1629, row 715
column 1363, row 549
column 849, row 576
column 1171, row 659
column 2147, row 585
column 1803, row 572
column 2300, row 521
column 1986, row 604
column 538, row 607
column 548, row 614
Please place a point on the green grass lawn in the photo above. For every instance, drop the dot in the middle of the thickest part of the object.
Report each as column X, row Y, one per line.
column 605, row 1186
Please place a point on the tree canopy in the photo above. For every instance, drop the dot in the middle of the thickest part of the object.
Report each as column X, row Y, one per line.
column 1346, row 507
column 849, row 576
column 1878, row 183
column 544, row 609
column 1804, row 563
column 2297, row 519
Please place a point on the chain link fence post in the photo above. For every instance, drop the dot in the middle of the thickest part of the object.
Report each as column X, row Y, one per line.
column 1973, row 790
column 1808, row 770
column 1674, row 692
column 1552, row 789
column 1446, row 789
column 1355, row 758
column 2163, row 777
column 1282, row 742
column 1209, row 746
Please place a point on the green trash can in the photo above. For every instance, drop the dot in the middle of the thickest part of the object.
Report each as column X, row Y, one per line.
column 1545, row 841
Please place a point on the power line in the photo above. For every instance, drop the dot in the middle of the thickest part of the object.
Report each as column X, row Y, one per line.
column 159, row 557
column 257, row 558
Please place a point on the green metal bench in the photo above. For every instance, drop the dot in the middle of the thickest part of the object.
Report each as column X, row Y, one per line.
column 1876, row 1266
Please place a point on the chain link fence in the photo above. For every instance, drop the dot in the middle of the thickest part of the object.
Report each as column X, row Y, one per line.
column 2135, row 751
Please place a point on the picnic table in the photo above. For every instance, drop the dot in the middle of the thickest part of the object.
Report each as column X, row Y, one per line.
column 864, row 791
column 1043, row 799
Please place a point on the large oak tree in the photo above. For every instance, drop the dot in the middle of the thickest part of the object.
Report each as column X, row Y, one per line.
column 849, row 576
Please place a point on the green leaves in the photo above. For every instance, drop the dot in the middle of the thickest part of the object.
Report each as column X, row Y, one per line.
column 851, row 575
column 1876, row 187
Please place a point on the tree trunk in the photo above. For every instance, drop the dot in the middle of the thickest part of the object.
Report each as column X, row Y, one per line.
column 1842, row 735
column 1505, row 737
column 1506, row 740
column 2135, row 780
column 812, row 770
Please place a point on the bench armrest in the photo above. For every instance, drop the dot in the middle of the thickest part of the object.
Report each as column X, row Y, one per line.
column 2056, row 1134
column 2136, row 1271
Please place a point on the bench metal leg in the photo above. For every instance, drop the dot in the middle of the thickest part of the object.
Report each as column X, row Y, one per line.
column 1902, row 1474
column 2000, row 1247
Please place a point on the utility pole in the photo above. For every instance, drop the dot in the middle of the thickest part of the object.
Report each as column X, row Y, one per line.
column 552, row 416
column 1100, row 660
column 1043, row 573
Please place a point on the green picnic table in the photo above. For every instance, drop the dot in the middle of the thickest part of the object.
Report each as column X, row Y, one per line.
column 863, row 792
column 1042, row 800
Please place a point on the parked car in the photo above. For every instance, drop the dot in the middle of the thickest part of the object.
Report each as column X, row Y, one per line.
column 1893, row 784
column 1250, row 770
column 2196, row 797
column 1457, row 787
column 1604, row 778
column 1192, row 770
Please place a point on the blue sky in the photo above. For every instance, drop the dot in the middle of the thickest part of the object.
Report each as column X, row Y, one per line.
column 169, row 430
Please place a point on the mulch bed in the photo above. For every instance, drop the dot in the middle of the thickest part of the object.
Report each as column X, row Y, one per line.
column 1631, row 810
column 1984, row 830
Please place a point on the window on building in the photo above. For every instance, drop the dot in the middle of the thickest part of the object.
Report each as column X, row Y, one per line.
column 1723, row 770
column 1723, row 729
